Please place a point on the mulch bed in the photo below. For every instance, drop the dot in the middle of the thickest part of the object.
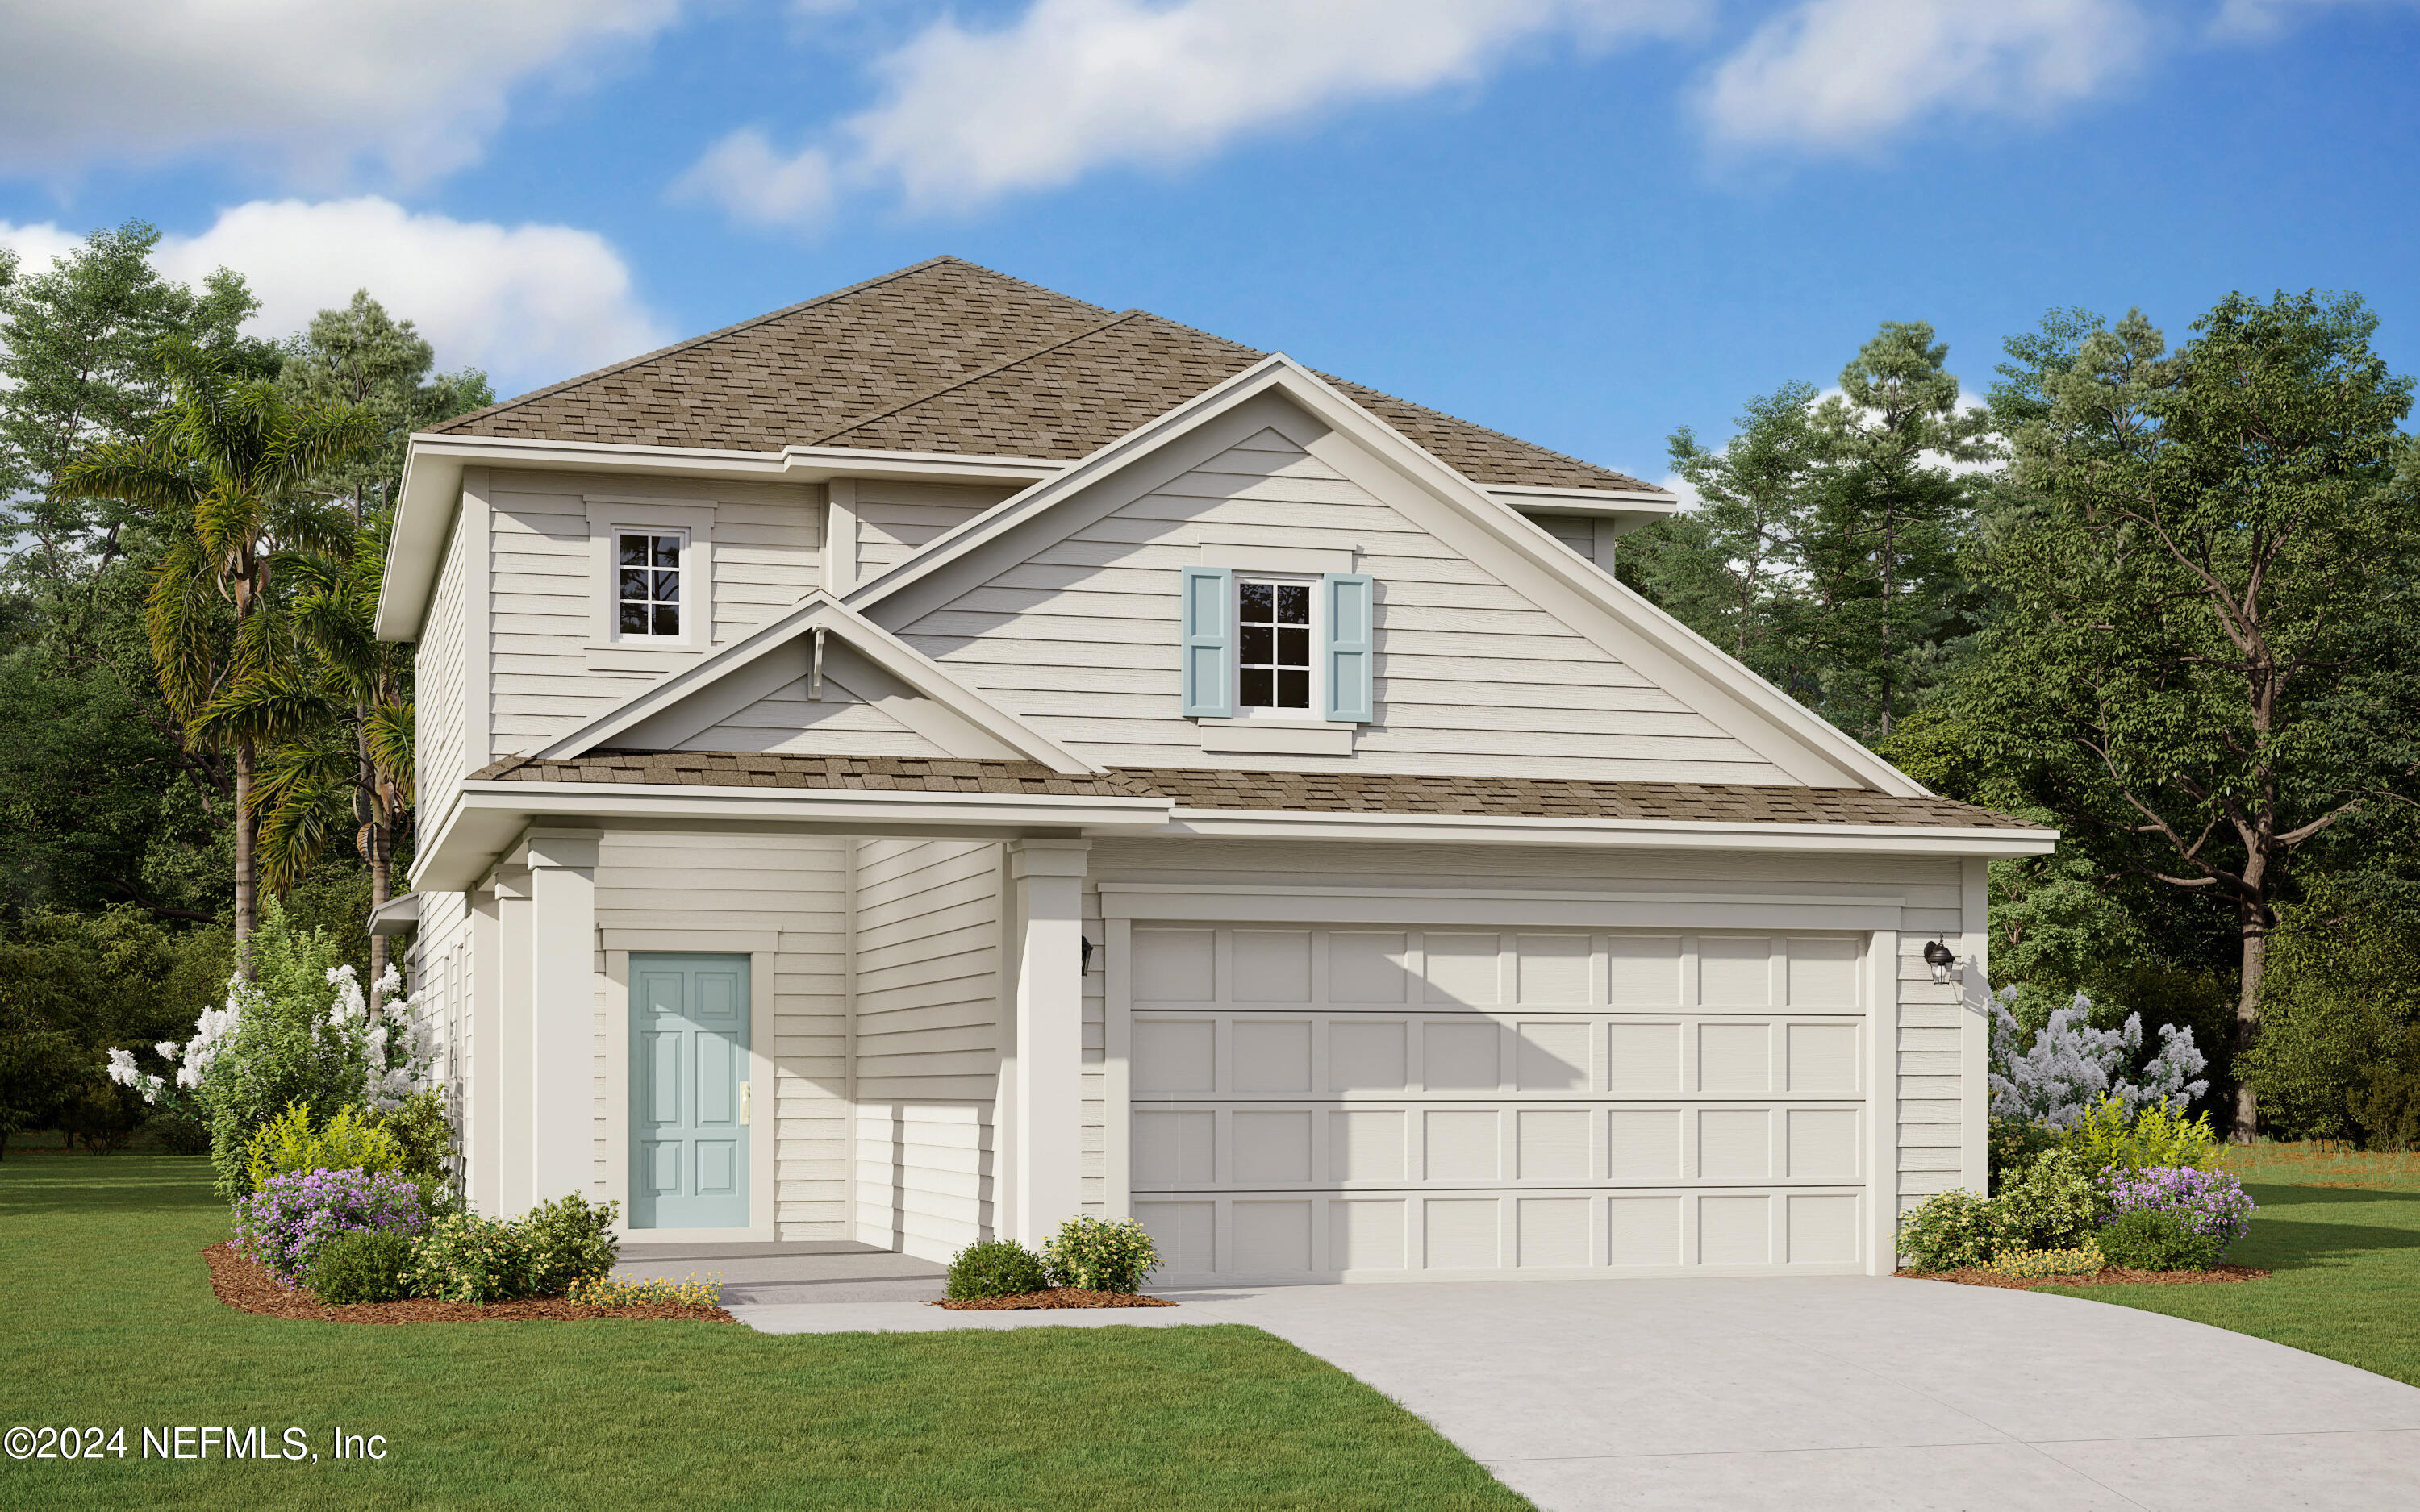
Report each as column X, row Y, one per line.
column 2108, row 1277
column 1056, row 1297
column 246, row 1284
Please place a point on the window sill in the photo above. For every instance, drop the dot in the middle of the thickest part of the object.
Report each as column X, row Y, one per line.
column 1276, row 737
column 637, row 655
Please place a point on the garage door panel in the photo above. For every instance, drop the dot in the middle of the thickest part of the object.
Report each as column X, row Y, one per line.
column 1311, row 1102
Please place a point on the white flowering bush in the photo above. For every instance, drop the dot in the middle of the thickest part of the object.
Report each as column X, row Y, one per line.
column 2071, row 1068
column 301, row 1031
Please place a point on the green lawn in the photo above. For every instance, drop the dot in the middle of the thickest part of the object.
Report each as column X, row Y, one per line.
column 109, row 1322
column 2343, row 1234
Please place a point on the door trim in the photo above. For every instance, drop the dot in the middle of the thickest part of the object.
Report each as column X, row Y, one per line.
column 763, row 1224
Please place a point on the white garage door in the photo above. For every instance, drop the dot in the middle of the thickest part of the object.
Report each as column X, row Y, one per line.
column 1419, row 1103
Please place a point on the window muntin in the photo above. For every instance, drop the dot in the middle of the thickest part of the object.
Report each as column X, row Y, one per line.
column 648, row 583
column 1273, row 644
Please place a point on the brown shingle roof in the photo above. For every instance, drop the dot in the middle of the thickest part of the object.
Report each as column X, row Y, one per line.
column 863, row 774
column 1557, row 798
column 1287, row 791
column 946, row 356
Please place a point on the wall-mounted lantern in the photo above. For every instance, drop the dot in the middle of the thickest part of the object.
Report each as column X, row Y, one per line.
column 1939, row 957
column 1084, row 961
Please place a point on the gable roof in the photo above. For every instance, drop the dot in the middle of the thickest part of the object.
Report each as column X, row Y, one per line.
column 949, row 357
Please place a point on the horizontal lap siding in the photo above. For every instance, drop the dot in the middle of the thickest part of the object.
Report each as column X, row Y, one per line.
column 441, row 675
column 440, row 980
column 796, row 884
column 544, row 590
column 927, row 990
column 895, row 520
column 1082, row 639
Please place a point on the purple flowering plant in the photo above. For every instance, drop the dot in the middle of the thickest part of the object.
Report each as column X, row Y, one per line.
column 2212, row 1203
column 285, row 1223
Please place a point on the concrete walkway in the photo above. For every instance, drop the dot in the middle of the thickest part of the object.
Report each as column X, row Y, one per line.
column 1875, row 1394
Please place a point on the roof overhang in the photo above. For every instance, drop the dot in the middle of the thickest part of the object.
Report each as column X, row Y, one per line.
column 489, row 817
column 1660, row 834
column 432, row 486
column 395, row 915
column 1627, row 509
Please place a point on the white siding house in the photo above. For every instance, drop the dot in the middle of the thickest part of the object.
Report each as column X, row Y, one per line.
column 909, row 785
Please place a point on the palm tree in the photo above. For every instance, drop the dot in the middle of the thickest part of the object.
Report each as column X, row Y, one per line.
column 225, row 476
column 335, row 728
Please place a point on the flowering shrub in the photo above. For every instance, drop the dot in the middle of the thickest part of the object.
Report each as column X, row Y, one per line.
column 2056, row 1202
column 1947, row 1232
column 285, row 1225
column 2069, row 1068
column 301, row 1031
column 2212, row 1204
column 466, row 1257
column 631, row 1291
column 2026, row 1264
column 1095, row 1255
column 287, row 1143
column 568, row 1241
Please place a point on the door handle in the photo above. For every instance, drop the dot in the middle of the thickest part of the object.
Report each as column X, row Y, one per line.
column 743, row 1102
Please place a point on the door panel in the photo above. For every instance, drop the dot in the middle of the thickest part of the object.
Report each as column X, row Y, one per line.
column 689, row 1028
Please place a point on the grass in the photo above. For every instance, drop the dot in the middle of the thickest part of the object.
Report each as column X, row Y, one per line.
column 2342, row 1232
column 109, row 1322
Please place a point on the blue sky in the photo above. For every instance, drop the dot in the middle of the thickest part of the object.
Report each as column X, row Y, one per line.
column 1580, row 221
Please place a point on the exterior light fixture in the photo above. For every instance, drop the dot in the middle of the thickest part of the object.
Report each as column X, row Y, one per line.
column 1939, row 958
column 1084, row 961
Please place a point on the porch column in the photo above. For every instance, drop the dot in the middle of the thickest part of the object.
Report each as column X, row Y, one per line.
column 507, row 1076
column 1045, row 927
column 562, row 1010
column 483, row 1083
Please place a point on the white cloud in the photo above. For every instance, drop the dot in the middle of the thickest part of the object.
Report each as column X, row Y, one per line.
column 312, row 86
column 1844, row 73
column 37, row 246
column 530, row 304
column 2254, row 20
column 970, row 114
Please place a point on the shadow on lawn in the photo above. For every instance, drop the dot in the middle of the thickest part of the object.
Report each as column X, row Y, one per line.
column 120, row 1183
column 2284, row 1244
column 2297, row 1194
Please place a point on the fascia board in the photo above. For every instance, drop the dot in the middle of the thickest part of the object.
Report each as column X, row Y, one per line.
column 491, row 816
column 425, row 505
column 1179, row 903
column 1629, row 510
column 879, row 646
column 1897, row 840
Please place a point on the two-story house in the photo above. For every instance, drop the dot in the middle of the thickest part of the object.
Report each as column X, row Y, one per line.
column 944, row 756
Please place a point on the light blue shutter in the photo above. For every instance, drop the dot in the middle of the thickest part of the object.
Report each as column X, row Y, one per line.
column 1209, row 661
column 1348, row 645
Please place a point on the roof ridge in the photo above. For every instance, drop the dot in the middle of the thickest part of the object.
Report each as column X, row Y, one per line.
column 749, row 324
column 962, row 380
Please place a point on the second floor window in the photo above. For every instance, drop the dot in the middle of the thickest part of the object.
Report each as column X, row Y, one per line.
column 1273, row 644
column 647, row 590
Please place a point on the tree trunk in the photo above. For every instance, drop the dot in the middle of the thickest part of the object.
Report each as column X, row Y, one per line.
column 245, row 900
column 2247, row 1030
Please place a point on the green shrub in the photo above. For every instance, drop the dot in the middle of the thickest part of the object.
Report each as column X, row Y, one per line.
column 2110, row 1137
column 364, row 1265
column 2013, row 1143
column 2027, row 1264
column 1097, row 1254
column 1947, row 1232
column 996, row 1268
column 426, row 1137
column 347, row 1142
column 566, row 1240
column 2152, row 1239
column 466, row 1257
column 2056, row 1202
column 2340, row 1021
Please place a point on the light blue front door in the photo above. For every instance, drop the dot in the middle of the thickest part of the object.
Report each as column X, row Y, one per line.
column 688, row 1069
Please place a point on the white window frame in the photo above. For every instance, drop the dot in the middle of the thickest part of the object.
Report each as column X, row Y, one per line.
column 682, row 559
column 1317, row 625
column 610, row 518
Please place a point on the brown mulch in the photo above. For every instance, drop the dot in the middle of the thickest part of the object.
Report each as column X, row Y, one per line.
column 1056, row 1297
column 246, row 1284
column 2108, row 1277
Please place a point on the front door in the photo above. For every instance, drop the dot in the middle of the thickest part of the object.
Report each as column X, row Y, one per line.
column 689, row 1091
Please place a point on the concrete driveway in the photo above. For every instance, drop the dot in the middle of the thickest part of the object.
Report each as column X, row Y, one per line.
column 1854, row 1392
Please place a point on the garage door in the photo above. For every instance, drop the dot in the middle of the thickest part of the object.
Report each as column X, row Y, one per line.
column 1423, row 1103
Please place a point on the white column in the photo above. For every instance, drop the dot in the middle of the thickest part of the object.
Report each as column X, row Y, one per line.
column 1881, row 1106
column 509, row 1072
column 1047, row 915
column 481, row 1151
column 1975, row 1045
column 562, row 1010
